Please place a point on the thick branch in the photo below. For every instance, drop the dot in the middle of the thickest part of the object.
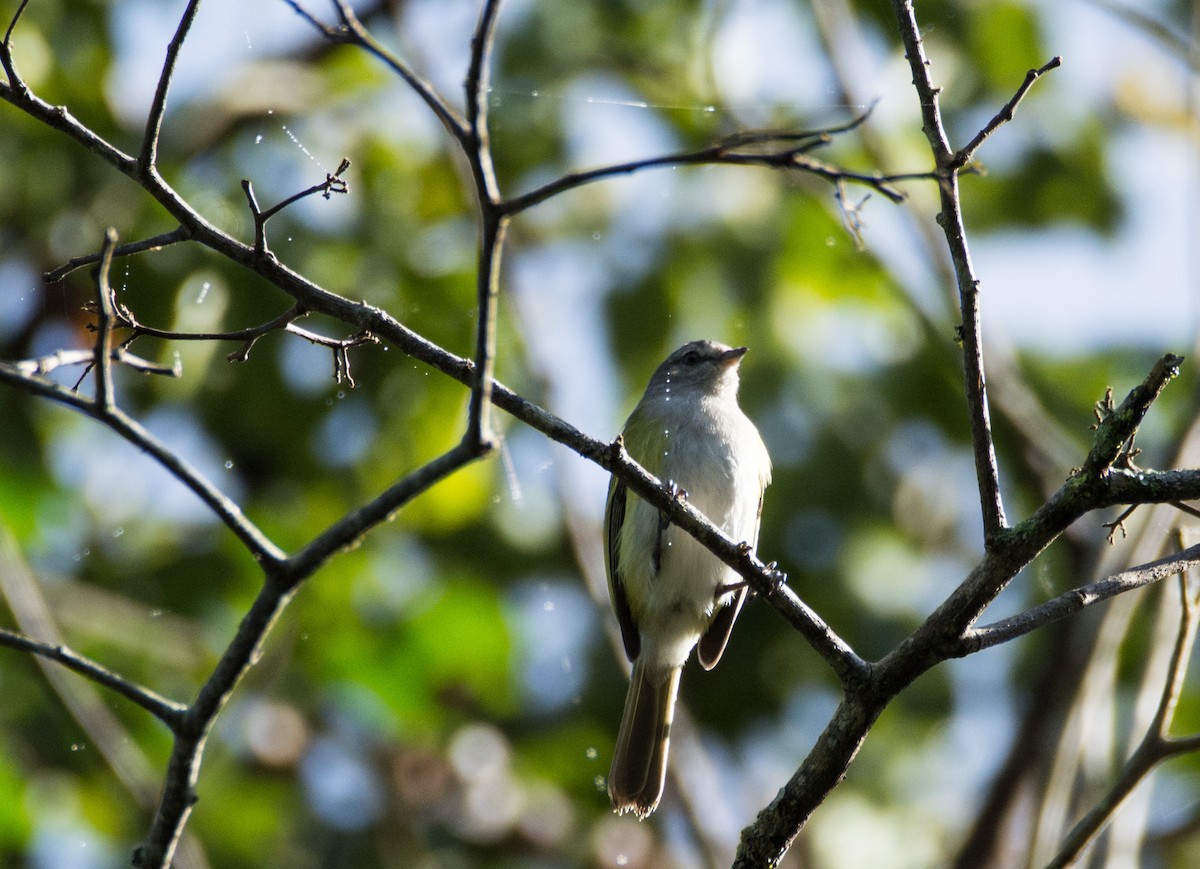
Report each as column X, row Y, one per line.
column 940, row 636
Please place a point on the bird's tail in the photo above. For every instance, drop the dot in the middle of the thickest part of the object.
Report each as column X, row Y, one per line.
column 639, row 767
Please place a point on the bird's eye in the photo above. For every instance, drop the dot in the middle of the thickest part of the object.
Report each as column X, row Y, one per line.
column 691, row 357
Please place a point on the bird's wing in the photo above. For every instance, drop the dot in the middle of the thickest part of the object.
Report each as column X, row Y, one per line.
column 614, row 518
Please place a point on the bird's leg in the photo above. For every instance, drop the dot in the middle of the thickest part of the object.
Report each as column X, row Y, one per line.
column 774, row 575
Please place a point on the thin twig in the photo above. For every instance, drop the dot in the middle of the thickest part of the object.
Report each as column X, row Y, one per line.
column 104, row 326
column 178, row 234
column 260, row 225
column 1005, row 630
column 967, row 153
column 148, row 159
column 333, row 183
column 729, row 151
column 248, row 335
column 252, row 538
column 43, row 365
column 352, row 31
column 951, row 221
column 1155, row 747
column 10, row 66
column 167, row 711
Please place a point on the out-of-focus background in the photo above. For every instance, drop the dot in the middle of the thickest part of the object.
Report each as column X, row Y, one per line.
column 447, row 693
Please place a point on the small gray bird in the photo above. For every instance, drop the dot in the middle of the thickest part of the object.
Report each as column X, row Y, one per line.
column 668, row 591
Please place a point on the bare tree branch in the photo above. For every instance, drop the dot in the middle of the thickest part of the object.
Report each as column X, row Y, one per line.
column 1006, row 114
column 15, row 82
column 1155, row 747
column 252, row 538
column 351, row 32
column 951, row 220
column 148, row 158
column 493, row 227
column 158, row 242
column 183, row 768
column 104, row 326
column 333, row 183
column 714, row 154
column 351, row 527
column 167, row 711
column 977, row 639
column 1106, row 477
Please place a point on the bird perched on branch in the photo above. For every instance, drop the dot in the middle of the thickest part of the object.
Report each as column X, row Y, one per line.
column 669, row 592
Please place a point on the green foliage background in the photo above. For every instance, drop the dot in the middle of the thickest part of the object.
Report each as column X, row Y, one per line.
column 410, row 710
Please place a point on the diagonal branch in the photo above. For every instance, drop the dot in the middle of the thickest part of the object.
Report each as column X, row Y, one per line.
column 1006, row 114
column 938, row 637
column 167, row 711
column 1118, row 426
column 352, row 32
column 852, row 670
column 1155, row 747
column 987, row 636
column 347, row 530
column 132, row 431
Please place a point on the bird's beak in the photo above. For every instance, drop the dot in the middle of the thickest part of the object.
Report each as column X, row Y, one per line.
column 732, row 356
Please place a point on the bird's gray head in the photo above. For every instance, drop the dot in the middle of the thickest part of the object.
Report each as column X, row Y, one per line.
column 707, row 367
